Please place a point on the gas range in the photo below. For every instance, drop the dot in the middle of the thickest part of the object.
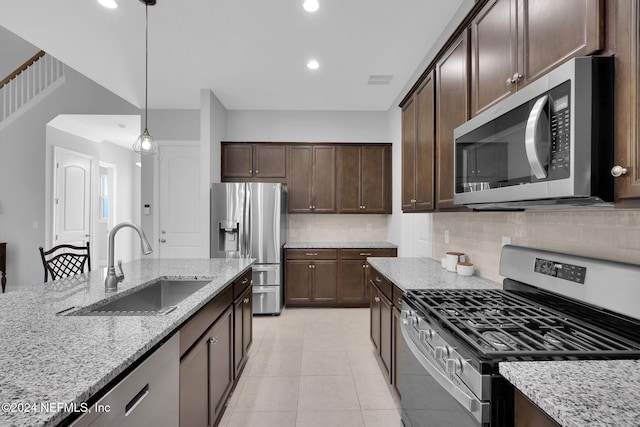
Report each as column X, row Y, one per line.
column 553, row 306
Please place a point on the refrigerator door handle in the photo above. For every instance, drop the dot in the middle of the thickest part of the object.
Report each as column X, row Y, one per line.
column 276, row 224
column 247, row 221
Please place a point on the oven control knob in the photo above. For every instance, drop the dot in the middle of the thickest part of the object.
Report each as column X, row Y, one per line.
column 406, row 314
column 443, row 351
column 454, row 366
column 427, row 335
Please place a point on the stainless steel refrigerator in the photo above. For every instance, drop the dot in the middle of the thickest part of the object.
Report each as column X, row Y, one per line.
column 249, row 220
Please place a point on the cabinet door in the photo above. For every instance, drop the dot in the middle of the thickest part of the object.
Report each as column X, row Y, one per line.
column 324, row 179
column 300, row 178
column 551, row 32
column 242, row 329
column 385, row 332
column 374, row 319
column 237, row 161
column 408, row 155
column 627, row 86
column 349, row 182
column 194, row 386
column 374, row 181
column 494, row 53
column 352, row 280
column 451, row 112
column 221, row 372
column 425, row 144
column 396, row 351
column 325, row 282
column 270, row 161
column 298, row 282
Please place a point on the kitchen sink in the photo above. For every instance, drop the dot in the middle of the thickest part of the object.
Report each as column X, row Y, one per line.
column 159, row 297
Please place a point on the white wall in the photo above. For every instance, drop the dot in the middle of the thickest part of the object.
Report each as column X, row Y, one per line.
column 14, row 52
column 23, row 164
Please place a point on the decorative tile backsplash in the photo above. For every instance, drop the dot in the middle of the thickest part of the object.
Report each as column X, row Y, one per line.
column 607, row 234
column 337, row 228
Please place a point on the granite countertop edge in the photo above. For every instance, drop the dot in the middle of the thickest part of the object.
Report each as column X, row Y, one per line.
column 340, row 245
column 95, row 349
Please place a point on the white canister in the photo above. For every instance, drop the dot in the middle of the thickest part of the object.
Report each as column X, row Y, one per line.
column 453, row 258
column 465, row 269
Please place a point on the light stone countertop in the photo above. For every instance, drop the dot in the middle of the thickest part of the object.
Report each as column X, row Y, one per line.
column 426, row 273
column 581, row 393
column 340, row 245
column 46, row 357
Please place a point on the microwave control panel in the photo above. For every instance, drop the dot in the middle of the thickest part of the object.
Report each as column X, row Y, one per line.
column 560, row 156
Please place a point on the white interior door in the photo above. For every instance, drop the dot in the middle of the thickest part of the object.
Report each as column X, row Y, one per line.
column 180, row 226
column 72, row 199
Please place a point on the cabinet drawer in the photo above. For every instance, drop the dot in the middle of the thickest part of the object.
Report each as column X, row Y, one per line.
column 364, row 253
column 241, row 283
column 200, row 322
column 381, row 283
column 312, row 254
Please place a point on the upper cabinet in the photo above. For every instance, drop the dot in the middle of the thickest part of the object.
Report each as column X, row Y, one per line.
column 364, row 178
column 627, row 133
column 514, row 42
column 418, row 143
column 452, row 73
column 312, row 179
column 254, row 162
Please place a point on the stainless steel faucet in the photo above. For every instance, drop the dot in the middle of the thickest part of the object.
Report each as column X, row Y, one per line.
column 112, row 279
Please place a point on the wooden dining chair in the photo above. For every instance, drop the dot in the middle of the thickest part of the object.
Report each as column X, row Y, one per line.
column 65, row 260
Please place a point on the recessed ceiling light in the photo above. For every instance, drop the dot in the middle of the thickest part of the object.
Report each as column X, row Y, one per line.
column 313, row 64
column 311, row 5
column 109, row 4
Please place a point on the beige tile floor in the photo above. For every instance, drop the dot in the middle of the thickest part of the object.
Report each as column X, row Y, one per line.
column 312, row 367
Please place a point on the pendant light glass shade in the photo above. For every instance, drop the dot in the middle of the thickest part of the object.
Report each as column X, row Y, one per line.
column 146, row 144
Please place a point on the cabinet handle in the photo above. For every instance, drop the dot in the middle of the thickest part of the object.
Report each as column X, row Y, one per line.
column 618, row 170
column 246, row 300
column 365, row 253
column 245, row 281
column 139, row 397
column 376, row 299
column 378, row 279
column 311, row 253
column 412, row 201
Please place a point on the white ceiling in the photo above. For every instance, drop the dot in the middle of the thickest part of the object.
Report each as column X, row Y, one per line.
column 251, row 53
column 118, row 129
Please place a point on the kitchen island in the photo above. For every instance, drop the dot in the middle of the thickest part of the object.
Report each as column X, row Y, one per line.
column 64, row 360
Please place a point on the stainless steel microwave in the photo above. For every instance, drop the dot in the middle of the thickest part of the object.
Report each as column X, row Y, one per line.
column 548, row 145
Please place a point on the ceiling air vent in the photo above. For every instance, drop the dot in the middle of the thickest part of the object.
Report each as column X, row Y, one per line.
column 380, row 80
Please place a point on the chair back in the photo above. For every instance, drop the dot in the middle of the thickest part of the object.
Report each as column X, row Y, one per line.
column 65, row 260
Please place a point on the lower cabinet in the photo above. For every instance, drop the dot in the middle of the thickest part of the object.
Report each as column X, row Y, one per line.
column 329, row 277
column 207, row 374
column 243, row 329
column 385, row 309
column 214, row 346
column 528, row 414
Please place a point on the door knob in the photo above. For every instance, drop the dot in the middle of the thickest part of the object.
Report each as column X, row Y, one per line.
column 163, row 240
column 163, row 231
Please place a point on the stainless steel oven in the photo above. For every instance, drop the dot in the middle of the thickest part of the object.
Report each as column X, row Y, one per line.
column 553, row 306
column 549, row 144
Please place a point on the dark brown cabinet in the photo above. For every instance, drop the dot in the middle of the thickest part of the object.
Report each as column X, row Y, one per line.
column 364, row 179
column 528, row 414
column 243, row 328
column 353, row 285
column 312, row 179
column 514, row 42
column 451, row 112
column 207, row 374
column 311, row 277
column 418, row 142
column 627, row 120
column 254, row 162
column 381, row 319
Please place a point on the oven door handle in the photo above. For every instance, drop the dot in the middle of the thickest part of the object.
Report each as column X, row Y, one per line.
column 531, row 137
column 479, row 410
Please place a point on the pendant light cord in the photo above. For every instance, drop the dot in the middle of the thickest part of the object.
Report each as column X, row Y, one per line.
column 146, row 64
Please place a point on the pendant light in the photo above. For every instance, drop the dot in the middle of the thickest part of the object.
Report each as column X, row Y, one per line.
column 146, row 144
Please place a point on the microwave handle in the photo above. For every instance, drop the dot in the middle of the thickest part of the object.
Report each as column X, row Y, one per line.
column 531, row 137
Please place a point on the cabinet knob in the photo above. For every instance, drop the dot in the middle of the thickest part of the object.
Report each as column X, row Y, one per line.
column 257, row 171
column 618, row 170
column 516, row 77
column 376, row 299
column 509, row 81
column 245, row 281
column 311, row 253
column 213, row 340
column 364, row 265
column 246, row 300
column 250, row 171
